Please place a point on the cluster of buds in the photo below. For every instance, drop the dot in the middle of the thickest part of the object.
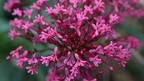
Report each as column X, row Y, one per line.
column 81, row 31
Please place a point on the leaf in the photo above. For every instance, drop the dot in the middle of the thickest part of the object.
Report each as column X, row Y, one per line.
column 133, row 31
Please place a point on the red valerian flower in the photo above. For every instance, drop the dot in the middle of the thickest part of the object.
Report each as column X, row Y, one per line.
column 82, row 34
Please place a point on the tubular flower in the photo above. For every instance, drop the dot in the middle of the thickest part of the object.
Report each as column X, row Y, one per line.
column 81, row 31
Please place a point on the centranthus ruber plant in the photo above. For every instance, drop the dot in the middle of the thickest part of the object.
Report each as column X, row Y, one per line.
column 81, row 31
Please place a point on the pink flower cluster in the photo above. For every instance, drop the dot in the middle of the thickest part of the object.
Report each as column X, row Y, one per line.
column 11, row 4
column 82, row 32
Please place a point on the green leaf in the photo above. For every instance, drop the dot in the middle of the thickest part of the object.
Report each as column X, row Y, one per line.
column 133, row 31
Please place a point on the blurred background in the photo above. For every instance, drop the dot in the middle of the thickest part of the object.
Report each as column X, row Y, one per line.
column 134, row 70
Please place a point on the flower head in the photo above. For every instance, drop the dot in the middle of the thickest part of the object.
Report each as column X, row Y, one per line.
column 82, row 34
column 32, row 69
